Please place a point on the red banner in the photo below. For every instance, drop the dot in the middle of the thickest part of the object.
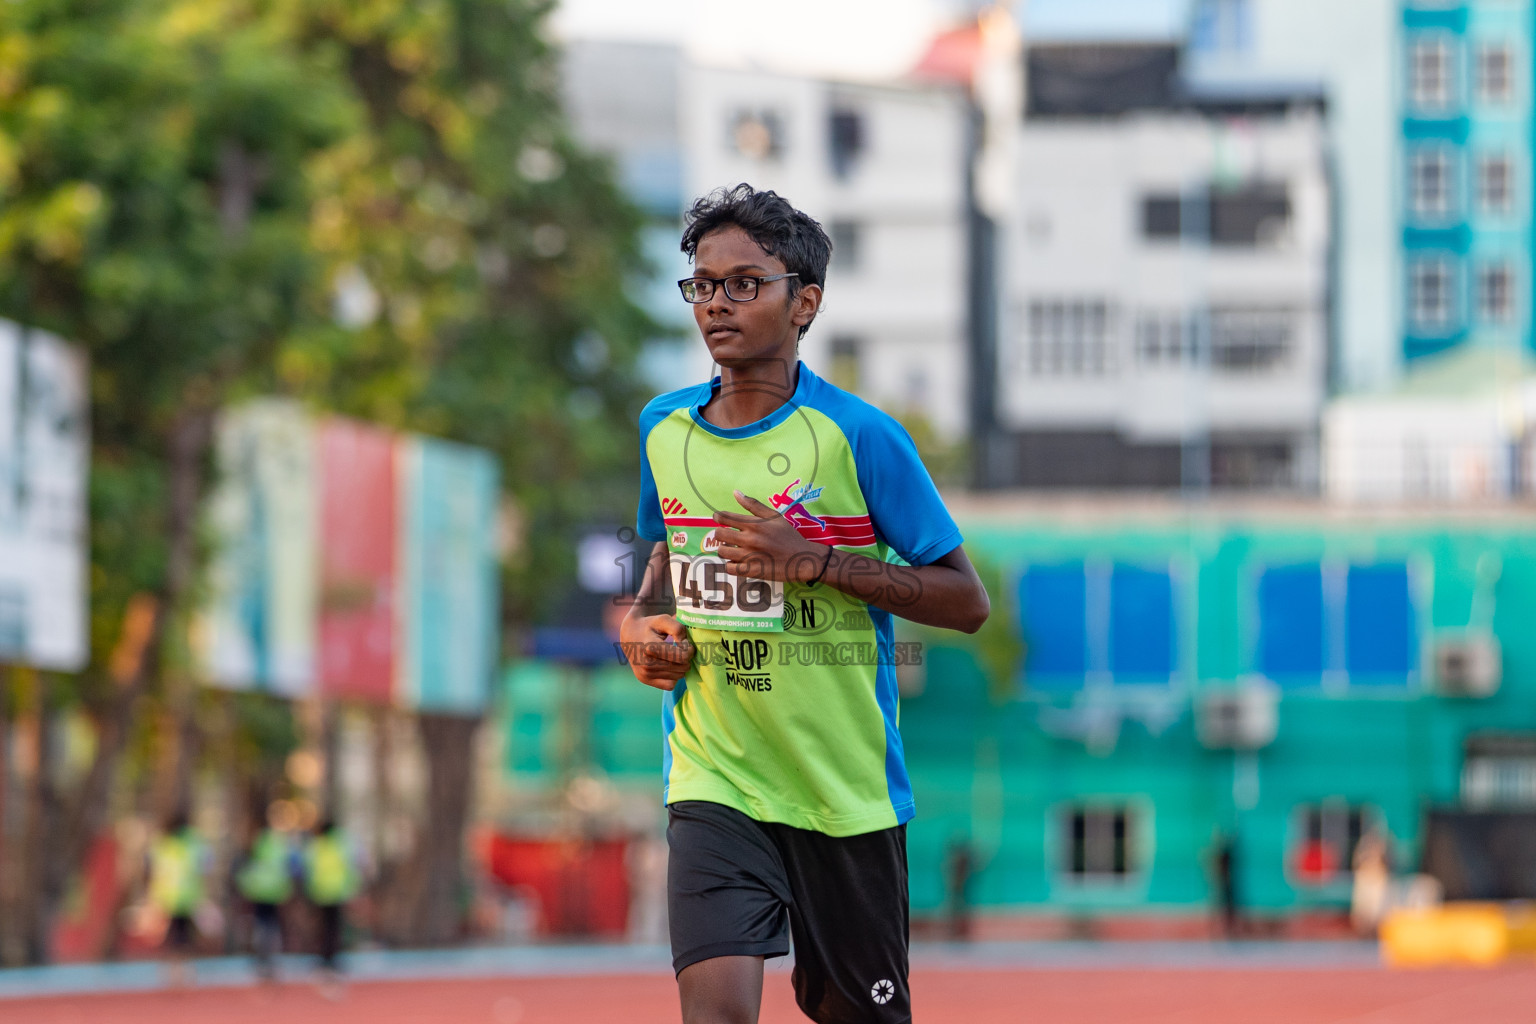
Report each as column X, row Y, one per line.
column 358, row 636
column 581, row 885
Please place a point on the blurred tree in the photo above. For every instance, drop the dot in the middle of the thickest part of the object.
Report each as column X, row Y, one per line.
column 373, row 206
column 480, row 264
column 153, row 208
column 997, row 647
column 948, row 461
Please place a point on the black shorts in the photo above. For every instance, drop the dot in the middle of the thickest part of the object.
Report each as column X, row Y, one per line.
column 180, row 932
column 739, row 887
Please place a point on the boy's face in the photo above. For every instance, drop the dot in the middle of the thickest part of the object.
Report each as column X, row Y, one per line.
column 767, row 327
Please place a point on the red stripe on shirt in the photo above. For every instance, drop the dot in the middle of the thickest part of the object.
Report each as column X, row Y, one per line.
column 853, row 531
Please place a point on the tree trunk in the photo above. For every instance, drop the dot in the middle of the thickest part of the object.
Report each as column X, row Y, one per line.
column 86, row 815
column 330, row 795
column 37, row 902
column 426, row 906
column 182, row 739
column 383, row 793
column 6, row 871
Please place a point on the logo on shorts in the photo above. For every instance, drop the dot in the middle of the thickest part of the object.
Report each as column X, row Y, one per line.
column 882, row 992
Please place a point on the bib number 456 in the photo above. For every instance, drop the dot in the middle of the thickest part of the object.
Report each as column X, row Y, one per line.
column 704, row 588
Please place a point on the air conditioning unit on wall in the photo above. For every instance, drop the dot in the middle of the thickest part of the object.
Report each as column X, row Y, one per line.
column 1246, row 718
column 1467, row 665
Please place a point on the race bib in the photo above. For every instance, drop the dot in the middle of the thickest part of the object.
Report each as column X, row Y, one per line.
column 710, row 597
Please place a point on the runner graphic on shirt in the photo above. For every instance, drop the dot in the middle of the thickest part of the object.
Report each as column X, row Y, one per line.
column 790, row 503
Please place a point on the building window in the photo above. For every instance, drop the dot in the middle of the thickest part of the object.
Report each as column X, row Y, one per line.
column 845, row 140
column 1115, row 622
column 1356, row 625
column 847, row 237
column 1494, row 191
column 1324, row 839
column 1430, row 294
column 1069, row 338
column 1429, row 74
column 1251, row 340
column 844, row 365
column 1252, row 464
column 1252, row 215
column 1498, row 771
column 1241, row 339
column 1494, row 298
column 1222, row 27
column 1164, row 339
column 1255, row 215
column 1099, row 842
column 1495, row 82
column 1160, row 217
column 756, row 134
column 1430, row 183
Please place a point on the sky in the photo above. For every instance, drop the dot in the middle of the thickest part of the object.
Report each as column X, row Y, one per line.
column 845, row 38
column 1107, row 19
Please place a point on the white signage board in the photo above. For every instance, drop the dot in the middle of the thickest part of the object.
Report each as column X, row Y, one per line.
column 44, row 461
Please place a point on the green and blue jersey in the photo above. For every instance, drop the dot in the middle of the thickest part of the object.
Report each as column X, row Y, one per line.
column 788, row 712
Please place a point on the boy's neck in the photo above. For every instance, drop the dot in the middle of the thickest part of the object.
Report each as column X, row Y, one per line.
column 751, row 393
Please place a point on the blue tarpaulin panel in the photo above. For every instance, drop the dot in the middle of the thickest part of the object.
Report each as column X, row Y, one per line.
column 1141, row 634
column 1380, row 641
column 452, row 612
column 1053, row 605
column 1292, row 627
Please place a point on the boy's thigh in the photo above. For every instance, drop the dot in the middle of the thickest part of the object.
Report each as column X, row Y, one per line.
column 726, row 886
column 849, row 916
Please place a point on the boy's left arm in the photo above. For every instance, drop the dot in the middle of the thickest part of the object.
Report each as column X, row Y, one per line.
column 764, row 545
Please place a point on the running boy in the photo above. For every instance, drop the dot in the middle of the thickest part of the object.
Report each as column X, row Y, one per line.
column 791, row 521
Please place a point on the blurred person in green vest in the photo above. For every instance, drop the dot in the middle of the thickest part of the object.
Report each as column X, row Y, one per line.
column 331, row 879
column 178, row 860
column 265, row 880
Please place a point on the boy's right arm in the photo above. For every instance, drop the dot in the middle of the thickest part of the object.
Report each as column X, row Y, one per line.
column 654, row 643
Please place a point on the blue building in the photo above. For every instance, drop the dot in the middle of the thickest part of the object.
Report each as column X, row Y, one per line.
column 1467, row 157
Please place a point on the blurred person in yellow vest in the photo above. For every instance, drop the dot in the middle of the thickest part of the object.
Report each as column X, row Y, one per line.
column 332, row 878
column 178, row 861
column 265, row 880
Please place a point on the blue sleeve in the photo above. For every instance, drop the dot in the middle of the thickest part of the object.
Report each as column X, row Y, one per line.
column 648, row 521
column 904, row 505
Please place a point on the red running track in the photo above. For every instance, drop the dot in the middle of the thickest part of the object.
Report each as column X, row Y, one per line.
column 1503, row 996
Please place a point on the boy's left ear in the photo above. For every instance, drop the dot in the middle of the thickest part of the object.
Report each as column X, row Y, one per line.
column 807, row 304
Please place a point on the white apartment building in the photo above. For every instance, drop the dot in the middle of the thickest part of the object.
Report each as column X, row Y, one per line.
column 1351, row 52
column 882, row 168
column 1166, row 279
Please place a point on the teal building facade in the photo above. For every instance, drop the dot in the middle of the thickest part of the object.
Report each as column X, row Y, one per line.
column 1083, row 785
column 1467, row 156
column 1078, row 776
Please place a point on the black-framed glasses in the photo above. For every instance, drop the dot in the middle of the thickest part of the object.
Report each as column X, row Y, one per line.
column 738, row 288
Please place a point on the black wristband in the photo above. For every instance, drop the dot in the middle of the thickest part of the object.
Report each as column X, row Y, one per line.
column 824, row 565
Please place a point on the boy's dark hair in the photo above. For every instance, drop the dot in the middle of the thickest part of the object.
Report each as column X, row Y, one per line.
column 793, row 237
